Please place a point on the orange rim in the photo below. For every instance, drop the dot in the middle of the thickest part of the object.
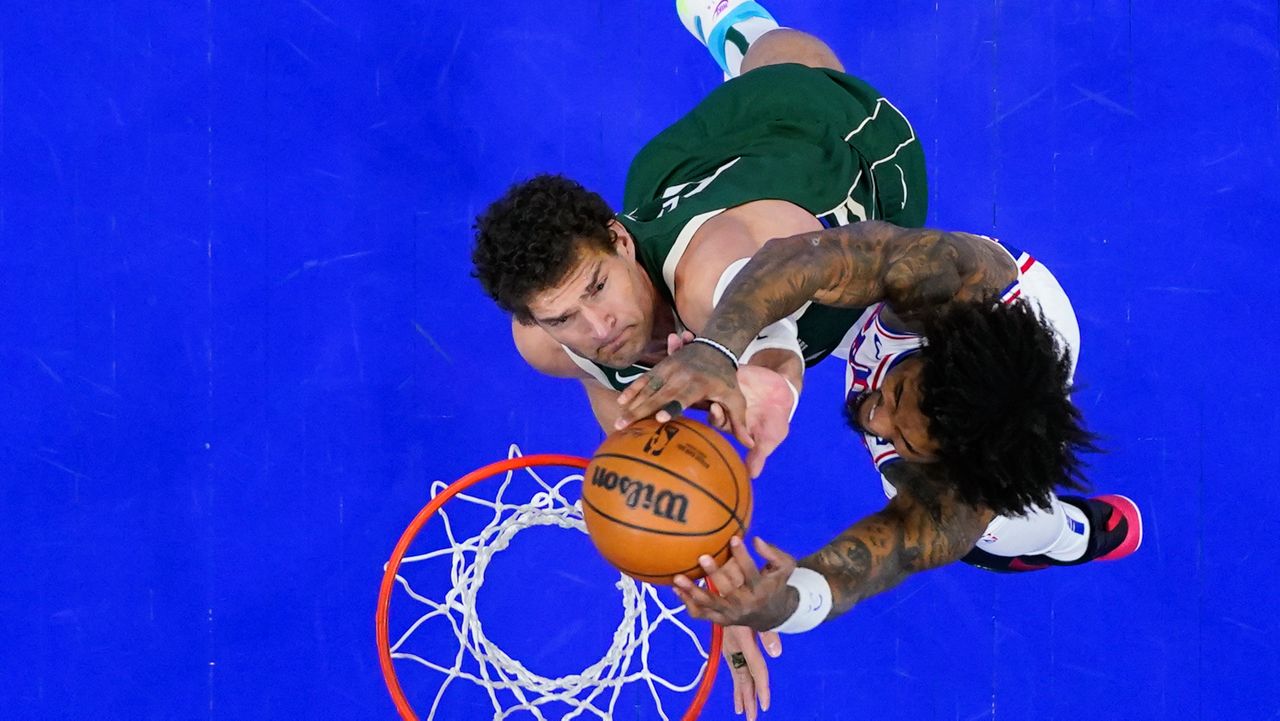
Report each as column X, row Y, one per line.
column 402, row 547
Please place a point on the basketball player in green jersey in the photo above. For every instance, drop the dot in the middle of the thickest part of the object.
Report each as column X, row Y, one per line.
column 790, row 144
column 788, row 147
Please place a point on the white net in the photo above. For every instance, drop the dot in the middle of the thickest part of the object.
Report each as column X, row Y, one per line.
column 511, row 687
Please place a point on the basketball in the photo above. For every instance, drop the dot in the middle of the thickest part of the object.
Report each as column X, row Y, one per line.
column 656, row 496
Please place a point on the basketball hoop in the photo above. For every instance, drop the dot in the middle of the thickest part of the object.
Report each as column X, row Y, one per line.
column 509, row 685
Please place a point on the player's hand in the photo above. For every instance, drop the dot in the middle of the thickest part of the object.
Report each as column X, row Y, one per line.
column 769, row 403
column 692, row 373
column 747, row 666
column 760, row 599
column 748, row 669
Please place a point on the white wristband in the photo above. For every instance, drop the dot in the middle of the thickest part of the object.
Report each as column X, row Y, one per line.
column 815, row 601
column 723, row 350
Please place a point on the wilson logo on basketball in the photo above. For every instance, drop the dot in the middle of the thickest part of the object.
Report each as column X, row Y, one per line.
column 657, row 443
column 638, row 494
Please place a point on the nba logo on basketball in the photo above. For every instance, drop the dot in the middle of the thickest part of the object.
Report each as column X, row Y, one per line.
column 660, row 438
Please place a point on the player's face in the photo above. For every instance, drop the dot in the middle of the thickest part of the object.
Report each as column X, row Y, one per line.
column 893, row 413
column 603, row 310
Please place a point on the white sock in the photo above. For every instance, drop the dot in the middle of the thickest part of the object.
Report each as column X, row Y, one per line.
column 750, row 30
column 1060, row 531
column 1074, row 541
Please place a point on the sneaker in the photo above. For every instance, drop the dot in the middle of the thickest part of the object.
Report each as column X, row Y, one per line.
column 711, row 22
column 1115, row 526
column 1115, row 531
column 1120, row 523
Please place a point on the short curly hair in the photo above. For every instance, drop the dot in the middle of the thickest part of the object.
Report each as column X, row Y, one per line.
column 530, row 238
column 995, row 386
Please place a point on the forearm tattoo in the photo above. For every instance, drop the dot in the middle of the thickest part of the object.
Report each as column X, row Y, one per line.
column 924, row 527
column 856, row 265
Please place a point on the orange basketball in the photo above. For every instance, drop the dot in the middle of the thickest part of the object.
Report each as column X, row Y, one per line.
column 658, row 495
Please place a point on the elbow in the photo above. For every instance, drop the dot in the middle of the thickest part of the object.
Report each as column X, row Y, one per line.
column 800, row 246
column 954, row 541
column 910, row 560
column 797, row 256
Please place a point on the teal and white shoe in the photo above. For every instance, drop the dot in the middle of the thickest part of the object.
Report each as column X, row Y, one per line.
column 712, row 23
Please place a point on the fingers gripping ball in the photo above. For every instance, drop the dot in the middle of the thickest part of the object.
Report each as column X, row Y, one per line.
column 658, row 495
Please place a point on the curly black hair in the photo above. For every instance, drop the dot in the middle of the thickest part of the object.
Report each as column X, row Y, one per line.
column 529, row 239
column 995, row 386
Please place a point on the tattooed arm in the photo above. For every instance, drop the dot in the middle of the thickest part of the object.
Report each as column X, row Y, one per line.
column 925, row 526
column 857, row 265
column 849, row 266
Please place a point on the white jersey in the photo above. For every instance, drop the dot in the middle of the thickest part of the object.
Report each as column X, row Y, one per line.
column 875, row 348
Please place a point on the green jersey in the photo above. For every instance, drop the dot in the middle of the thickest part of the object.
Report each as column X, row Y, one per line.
column 819, row 139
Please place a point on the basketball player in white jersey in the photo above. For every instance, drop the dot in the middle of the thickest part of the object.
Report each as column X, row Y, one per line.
column 959, row 378
column 703, row 226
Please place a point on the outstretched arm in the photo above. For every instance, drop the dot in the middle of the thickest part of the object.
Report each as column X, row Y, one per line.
column 857, row 265
column 849, row 266
column 921, row 528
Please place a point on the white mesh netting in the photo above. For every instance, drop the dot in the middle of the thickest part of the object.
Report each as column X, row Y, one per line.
column 511, row 687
